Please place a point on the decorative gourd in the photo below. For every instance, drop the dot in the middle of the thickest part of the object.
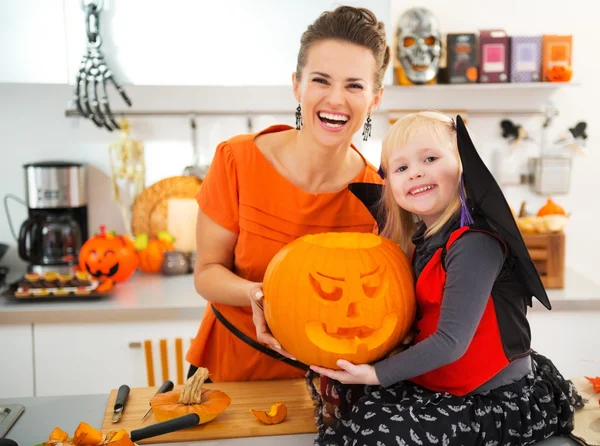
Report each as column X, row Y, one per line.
column 337, row 296
column 109, row 256
column 152, row 251
column 551, row 208
column 276, row 415
column 192, row 398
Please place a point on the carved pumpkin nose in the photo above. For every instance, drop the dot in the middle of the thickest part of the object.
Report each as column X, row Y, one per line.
column 354, row 311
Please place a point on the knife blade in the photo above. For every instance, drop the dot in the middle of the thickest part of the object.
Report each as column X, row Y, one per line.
column 165, row 427
column 122, row 395
column 167, row 386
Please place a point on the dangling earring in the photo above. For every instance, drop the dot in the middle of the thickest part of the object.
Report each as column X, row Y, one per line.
column 367, row 129
column 298, row 117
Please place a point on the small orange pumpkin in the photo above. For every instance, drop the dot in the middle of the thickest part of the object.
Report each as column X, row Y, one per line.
column 152, row 251
column 559, row 73
column 192, row 398
column 337, row 296
column 152, row 257
column 109, row 256
column 275, row 415
column 551, row 208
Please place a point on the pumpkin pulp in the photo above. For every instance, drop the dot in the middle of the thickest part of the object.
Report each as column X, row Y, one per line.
column 192, row 398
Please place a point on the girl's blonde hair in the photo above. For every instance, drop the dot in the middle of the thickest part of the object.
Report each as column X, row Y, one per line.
column 400, row 224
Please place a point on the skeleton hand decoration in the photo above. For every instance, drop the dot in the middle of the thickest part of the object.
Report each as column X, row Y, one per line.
column 91, row 96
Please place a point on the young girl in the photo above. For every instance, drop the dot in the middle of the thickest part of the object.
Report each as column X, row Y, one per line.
column 470, row 376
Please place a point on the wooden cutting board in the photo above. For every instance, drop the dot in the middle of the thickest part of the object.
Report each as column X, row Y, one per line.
column 236, row 421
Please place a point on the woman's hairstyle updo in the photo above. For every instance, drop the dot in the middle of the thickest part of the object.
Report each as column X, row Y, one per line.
column 348, row 24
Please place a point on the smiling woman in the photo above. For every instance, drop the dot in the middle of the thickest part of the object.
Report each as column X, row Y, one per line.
column 267, row 189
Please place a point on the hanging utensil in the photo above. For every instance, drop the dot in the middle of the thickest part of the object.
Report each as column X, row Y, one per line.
column 194, row 169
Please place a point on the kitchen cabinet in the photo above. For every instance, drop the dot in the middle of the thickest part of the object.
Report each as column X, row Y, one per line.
column 93, row 358
column 33, row 48
column 569, row 339
column 16, row 361
column 190, row 42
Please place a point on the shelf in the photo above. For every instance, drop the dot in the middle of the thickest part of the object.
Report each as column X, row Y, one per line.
column 507, row 86
column 494, row 99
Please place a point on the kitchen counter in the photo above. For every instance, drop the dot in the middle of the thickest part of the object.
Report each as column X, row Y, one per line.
column 155, row 297
column 143, row 297
column 44, row 414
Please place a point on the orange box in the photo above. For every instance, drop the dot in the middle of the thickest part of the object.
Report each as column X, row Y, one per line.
column 556, row 50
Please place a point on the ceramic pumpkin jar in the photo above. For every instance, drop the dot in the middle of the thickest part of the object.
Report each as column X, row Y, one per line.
column 109, row 256
column 339, row 296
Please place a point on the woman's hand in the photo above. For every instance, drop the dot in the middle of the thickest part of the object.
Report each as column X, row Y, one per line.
column 350, row 373
column 263, row 334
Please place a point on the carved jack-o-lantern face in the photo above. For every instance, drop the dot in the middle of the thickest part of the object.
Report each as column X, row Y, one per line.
column 339, row 296
column 107, row 256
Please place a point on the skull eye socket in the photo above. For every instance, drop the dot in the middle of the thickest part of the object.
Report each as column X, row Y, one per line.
column 409, row 41
column 430, row 40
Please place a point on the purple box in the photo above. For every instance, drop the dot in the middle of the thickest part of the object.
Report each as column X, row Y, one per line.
column 494, row 62
column 525, row 58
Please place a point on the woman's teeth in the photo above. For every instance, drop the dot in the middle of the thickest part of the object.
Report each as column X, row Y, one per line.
column 421, row 189
column 333, row 120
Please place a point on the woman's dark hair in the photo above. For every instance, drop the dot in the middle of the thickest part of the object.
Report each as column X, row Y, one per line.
column 353, row 25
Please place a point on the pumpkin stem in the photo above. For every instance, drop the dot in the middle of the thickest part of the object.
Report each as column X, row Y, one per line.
column 192, row 389
column 102, row 230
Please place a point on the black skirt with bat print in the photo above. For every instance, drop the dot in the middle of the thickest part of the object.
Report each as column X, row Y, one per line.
column 536, row 407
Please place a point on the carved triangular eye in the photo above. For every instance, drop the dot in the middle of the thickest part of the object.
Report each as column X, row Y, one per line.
column 372, row 281
column 326, row 286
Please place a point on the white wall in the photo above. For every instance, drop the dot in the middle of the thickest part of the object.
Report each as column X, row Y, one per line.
column 33, row 126
column 574, row 104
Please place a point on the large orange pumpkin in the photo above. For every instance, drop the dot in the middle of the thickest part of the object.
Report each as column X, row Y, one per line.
column 339, row 296
column 109, row 256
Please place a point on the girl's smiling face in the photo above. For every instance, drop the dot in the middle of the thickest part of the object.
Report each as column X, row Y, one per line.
column 424, row 174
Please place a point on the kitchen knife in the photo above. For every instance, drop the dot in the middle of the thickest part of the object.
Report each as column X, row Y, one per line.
column 167, row 386
column 166, row 427
column 122, row 395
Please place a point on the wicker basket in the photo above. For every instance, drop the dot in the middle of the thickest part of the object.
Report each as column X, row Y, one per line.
column 149, row 214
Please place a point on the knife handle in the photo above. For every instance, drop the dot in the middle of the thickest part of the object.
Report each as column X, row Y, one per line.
column 122, row 395
column 167, row 386
column 165, row 427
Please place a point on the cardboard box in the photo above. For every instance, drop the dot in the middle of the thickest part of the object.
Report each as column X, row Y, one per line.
column 494, row 61
column 556, row 50
column 461, row 50
column 525, row 58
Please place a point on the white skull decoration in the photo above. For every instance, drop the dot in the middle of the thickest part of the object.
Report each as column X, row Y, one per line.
column 419, row 45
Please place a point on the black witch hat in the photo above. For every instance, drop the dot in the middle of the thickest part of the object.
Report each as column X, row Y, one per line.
column 485, row 199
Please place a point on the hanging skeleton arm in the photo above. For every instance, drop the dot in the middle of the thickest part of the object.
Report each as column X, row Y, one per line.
column 91, row 98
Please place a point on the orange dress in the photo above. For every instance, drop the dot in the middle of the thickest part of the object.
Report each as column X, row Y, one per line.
column 245, row 194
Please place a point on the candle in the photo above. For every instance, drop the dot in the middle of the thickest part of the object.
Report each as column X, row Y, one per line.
column 181, row 222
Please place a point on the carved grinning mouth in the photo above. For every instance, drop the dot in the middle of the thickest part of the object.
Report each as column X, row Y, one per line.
column 111, row 272
column 350, row 340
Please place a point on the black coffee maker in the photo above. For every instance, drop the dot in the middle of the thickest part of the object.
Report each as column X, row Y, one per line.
column 50, row 239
